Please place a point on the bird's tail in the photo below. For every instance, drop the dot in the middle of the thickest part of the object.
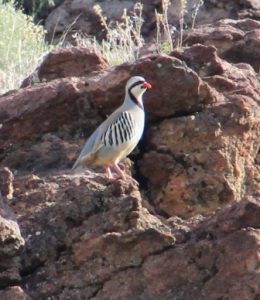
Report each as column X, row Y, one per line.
column 85, row 160
column 76, row 164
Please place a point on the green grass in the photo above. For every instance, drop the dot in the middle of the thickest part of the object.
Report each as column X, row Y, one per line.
column 21, row 46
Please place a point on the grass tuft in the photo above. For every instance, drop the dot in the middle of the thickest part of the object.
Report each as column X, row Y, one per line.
column 21, row 45
column 164, row 31
column 123, row 38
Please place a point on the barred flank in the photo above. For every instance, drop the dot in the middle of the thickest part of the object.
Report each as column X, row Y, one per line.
column 121, row 131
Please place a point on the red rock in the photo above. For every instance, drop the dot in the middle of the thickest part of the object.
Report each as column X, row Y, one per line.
column 90, row 243
column 13, row 293
column 247, row 50
column 50, row 152
column 92, row 218
column 67, row 62
column 177, row 89
column 206, row 266
column 51, row 107
column 11, row 245
column 212, row 11
column 86, row 237
column 212, row 151
column 235, row 40
column 6, row 183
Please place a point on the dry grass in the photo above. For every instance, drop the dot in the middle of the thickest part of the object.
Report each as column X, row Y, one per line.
column 164, row 31
column 195, row 11
column 123, row 39
column 21, row 46
column 22, row 42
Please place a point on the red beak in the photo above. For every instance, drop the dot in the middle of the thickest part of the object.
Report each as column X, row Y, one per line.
column 147, row 85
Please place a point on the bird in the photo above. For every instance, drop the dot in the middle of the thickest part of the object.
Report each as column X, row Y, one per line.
column 118, row 135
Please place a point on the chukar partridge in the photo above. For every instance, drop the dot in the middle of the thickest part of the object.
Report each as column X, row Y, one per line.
column 119, row 134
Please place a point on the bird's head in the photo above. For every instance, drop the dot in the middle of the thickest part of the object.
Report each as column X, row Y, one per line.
column 135, row 88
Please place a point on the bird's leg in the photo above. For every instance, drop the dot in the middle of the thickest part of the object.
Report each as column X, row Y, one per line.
column 119, row 172
column 122, row 174
column 108, row 171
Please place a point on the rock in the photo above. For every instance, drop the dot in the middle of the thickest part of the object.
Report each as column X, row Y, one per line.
column 235, row 40
column 86, row 238
column 193, row 94
column 11, row 245
column 247, row 50
column 80, row 230
column 67, row 62
column 88, row 22
column 211, row 158
column 50, row 153
column 6, row 183
column 211, row 11
column 14, row 293
column 27, row 114
column 219, row 74
column 207, row 266
column 100, row 93
column 210, row 105
column 187, row 231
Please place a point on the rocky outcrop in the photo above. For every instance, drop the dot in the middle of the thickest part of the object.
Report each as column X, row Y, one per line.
column 213, row 150
column 210, row 108
column 87, row 238
column 190, row 230
column 25, row 117
column 210, row 261
column 84, row 233
column 67, row 62
column 236, row 41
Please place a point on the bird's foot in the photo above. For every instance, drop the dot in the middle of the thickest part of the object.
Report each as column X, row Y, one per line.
column 123, row 175
column 109, row 173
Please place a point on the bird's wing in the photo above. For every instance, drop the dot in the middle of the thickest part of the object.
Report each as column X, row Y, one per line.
column 97, row 138
column 103, row 128
column 121, row 130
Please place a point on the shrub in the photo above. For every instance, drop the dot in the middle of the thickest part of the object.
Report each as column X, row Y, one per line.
column 123, row 39
column 21, row 45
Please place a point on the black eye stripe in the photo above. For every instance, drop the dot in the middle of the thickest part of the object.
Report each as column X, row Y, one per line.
column 136, row 83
